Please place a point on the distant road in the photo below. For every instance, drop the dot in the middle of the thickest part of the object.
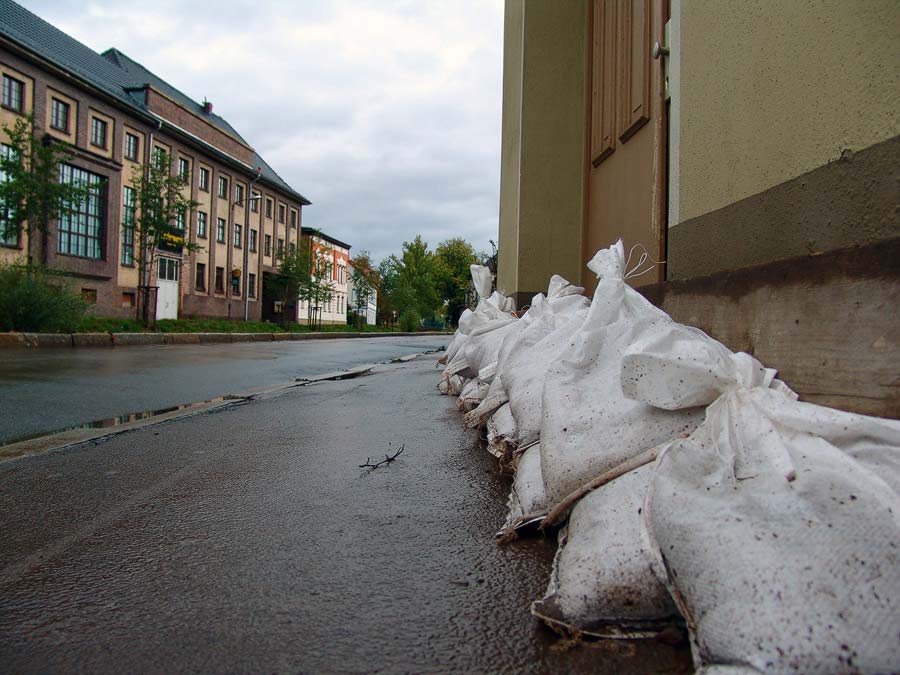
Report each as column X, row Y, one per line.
column 46, row 390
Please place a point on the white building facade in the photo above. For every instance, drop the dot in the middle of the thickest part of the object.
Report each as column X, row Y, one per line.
column 369, row 308
column 333, row 262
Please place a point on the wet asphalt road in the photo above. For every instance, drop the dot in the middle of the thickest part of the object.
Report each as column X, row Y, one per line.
column 46, row 390
column 248, row 539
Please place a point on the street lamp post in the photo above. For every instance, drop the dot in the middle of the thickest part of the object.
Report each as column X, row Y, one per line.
column 249, row 198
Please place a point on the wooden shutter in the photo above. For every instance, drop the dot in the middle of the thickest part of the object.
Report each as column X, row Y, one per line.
column 634, row 66
column 603, row 84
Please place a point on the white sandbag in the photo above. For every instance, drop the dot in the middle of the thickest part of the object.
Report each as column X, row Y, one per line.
column 490, row 310
column 601, row 582
column 459, row 338
column 459, row 366
column 588, row 425
column 483, row 346
column 455, row 385
column 561, row 297
column 500, row 426
column 452, row 386
column 495, row 397
column 471, row 395
column 524, row 372
column 680, row 366
column 526, row 497
column 479, row 348
column 778, row 526
column 481, row 279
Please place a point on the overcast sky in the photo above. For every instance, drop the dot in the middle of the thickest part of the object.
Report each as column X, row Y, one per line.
column 384, row 113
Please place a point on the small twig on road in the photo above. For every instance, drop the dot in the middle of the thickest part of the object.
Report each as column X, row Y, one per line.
column 387, row 459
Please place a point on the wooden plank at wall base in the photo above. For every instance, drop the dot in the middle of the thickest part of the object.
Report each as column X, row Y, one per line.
column 829, row 323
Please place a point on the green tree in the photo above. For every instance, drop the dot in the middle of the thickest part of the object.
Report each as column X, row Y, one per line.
column 386, row 302
column 155, row 217
column 415, row 287
column 31, row 193
column 452, row 274
column 409, row 283
column 304, row 274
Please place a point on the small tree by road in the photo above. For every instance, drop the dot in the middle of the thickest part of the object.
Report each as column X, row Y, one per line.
column 453, row 260
column 31, row 190
column 155, row 214
column 303, row 274
column 365, row 283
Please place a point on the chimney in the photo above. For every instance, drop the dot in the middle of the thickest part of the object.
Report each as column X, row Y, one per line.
column 207, row 107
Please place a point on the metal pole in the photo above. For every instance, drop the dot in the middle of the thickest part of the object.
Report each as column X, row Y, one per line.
column 247, row 201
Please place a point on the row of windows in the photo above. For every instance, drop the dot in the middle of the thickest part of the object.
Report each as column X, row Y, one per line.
column 60, row 118
column 338, row 303
column 221, row 227
column 81, row 231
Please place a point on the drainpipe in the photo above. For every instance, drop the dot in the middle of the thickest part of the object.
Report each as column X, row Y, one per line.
column 247, row 201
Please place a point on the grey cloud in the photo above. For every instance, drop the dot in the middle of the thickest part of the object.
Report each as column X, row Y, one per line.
column 386, row 115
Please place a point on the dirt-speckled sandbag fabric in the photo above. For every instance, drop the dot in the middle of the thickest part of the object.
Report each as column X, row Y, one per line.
column 526, row 497
column 562, row 297
column 493, row 399
column 601, row 581
column 523, row 365
column 492, row 312
column 588, row 425
column 459, row 338
column 500, row 426
column 471, row 395
column 777, row 525
column 487, row 350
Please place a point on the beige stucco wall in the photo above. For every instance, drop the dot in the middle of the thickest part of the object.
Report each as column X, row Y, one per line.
column 773, row 89
column 541, row 200
column 511, row 145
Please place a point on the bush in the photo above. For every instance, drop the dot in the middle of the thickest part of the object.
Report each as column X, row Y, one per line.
column 410, row 321
column 38, row 301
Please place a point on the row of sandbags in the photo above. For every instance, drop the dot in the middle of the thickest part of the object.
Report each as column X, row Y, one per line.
column 693, row 487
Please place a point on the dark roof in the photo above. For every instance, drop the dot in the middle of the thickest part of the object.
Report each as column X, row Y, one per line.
column 313, row 232
column 268, row 174
column 112, row 73
column 139, row 76
column 19, row 25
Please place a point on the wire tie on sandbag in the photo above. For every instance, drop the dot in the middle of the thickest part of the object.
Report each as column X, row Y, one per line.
column 636, row 271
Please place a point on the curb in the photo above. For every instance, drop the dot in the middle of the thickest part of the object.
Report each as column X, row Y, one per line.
column 139, row 339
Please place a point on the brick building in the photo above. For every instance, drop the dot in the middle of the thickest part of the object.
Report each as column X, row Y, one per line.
column 117, row 115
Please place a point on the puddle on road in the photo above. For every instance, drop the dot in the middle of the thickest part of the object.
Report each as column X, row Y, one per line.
column 129, row 418
column 121, row 420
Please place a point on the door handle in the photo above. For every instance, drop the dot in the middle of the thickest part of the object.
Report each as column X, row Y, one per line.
column 659, row 50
